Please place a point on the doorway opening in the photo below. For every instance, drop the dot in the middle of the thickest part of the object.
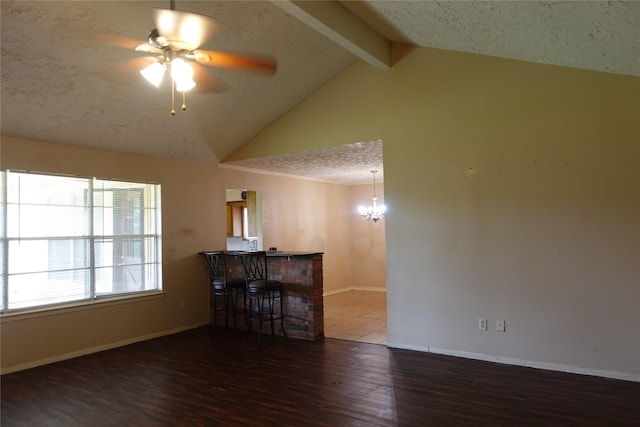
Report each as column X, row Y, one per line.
column 356, row 315
column 244, row 220
column 358, row 310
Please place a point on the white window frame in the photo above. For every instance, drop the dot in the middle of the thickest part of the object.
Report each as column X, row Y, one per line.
column 129, row 216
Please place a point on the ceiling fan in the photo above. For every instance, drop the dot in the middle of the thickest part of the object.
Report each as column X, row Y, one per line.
column 174, row 44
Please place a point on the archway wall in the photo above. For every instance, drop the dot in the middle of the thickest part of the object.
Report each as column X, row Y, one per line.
column 344, row 111
column 513, row 194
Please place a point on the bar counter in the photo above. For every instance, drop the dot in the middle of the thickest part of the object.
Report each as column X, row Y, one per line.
column 301, row 274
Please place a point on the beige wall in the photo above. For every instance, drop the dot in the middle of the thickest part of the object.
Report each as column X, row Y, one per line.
column 297, row 215
column 514, row 194
column 301, row 215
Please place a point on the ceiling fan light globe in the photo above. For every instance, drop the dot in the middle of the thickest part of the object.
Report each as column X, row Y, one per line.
column 153, row 73
column 182, row 74
column 185, row 85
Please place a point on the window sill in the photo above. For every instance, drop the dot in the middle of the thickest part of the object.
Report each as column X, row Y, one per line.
column 78, row 306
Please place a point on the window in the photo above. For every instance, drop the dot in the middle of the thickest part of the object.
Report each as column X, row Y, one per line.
column 69, row 239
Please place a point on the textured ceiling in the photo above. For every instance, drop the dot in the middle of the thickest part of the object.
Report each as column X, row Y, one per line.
column 63, row 82
column 595, row 35
column 343, row 164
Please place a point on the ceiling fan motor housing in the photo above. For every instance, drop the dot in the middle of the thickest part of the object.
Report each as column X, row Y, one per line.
column 156, row 40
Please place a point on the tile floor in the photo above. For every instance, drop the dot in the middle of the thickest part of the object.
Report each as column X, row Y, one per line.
column 356, row 316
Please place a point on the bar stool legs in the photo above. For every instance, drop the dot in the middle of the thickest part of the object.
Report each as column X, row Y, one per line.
column 262, row 306
column 262, row 293
column 231, row 298
column 224, row 287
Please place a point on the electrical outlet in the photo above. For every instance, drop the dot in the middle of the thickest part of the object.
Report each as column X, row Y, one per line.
column 500, row 325
column 482, row 324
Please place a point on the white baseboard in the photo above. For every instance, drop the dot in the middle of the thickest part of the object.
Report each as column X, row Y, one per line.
column 522, row 362
column 95, row 349
column 355, row 288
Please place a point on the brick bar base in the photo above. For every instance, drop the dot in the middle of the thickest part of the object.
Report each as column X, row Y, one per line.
column 301, row 274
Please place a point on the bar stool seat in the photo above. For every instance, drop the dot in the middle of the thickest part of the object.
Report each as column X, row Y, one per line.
column 263, row 293
column 232, row 291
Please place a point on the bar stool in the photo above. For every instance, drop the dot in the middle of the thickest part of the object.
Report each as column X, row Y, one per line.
column 224, row 287
column 262, row 293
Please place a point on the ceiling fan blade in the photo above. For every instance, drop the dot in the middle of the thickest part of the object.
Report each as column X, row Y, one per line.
column 205, row 81
column 110, row 39
column 232, row 60
column 185, row 28
column 124, row 71
column 102, row 38
column 146, row 47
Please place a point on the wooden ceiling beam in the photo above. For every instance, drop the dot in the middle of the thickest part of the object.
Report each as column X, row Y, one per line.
column 337, row 23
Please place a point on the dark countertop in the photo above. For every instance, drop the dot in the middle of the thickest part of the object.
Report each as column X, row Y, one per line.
column 292, row 253
column 272, row 253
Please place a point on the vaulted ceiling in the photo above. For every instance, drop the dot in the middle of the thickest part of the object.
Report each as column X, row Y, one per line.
column 65, row 80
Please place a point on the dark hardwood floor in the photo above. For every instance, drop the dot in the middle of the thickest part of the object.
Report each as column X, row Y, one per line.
column 194, row 379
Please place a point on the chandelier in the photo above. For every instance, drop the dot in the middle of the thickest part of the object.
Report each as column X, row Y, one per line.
column 374, row 212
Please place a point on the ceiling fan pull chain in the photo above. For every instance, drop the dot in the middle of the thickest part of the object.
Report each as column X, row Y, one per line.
column 173, row 97
column 175, row 44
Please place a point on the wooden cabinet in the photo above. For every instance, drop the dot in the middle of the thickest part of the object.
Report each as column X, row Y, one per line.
column 252, row 215
column 242, row 216
column 235, row 218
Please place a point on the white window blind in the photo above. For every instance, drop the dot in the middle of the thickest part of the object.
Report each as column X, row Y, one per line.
column 66, row 239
